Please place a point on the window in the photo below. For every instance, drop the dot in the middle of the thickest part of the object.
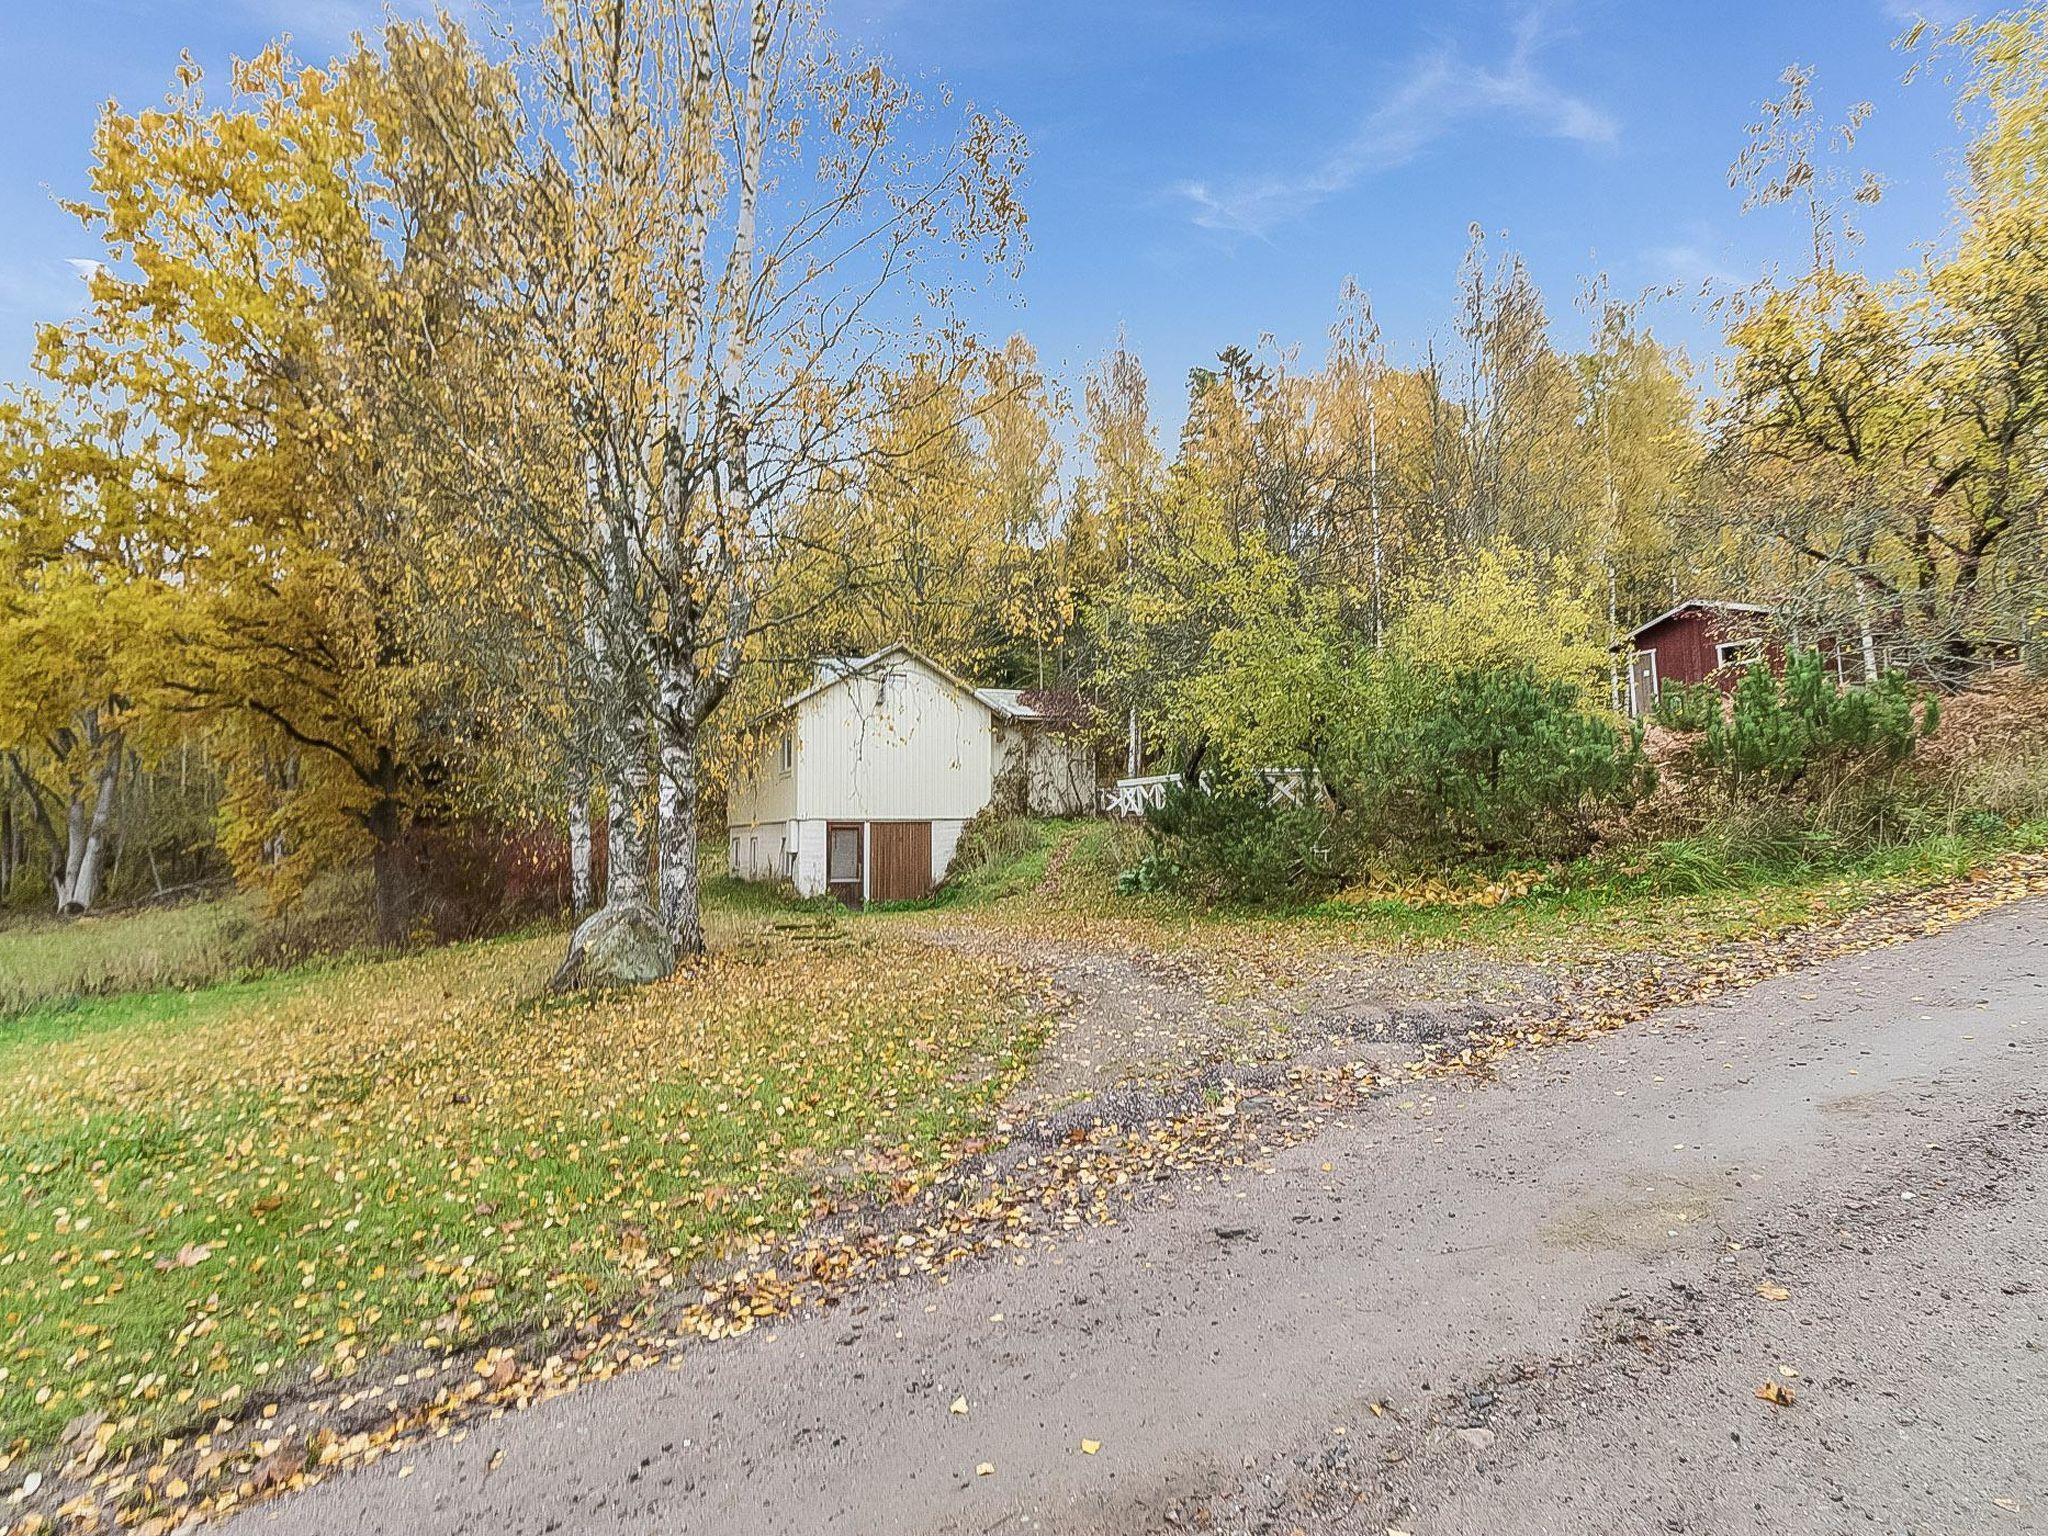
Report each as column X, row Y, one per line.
column 733, row 863
column 788, row 751
column 753, row 855
column 843, row 855
column 1738, row 653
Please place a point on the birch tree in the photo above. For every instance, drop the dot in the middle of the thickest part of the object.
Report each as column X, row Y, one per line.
column 731, row 229
column 75, row 566
column 1885, row 437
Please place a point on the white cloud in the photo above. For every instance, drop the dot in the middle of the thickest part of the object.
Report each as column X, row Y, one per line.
column 37, row 288
column 1689, row 266
column 1441, row 93
column 1940, row 13
column 329, row 21
column 85, row 266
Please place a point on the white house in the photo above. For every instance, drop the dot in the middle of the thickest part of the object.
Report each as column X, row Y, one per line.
column 860, row 784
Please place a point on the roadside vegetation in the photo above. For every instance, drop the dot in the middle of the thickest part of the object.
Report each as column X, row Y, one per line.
column 1797, row 798
column 1653, row 895
column 1485, row 763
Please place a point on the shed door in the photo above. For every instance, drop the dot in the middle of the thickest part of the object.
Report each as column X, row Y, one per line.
column 1642, row 682
column 842, row 861
column 902, row 852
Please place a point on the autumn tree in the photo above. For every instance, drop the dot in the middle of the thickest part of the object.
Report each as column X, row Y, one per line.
column 945, row 511
column 75, row 564
column 277, row 285
column 727, row 230
column 1884, row 435
column 1111, row 514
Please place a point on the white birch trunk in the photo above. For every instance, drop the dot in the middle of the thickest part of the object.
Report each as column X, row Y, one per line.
column 86, row 839
column 1613, row 642
column 626, row 849
column 579, row 840
column 1372, row 484
column 681, row 910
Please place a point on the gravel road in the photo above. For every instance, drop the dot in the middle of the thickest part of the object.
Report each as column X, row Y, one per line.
column 1540, row 1304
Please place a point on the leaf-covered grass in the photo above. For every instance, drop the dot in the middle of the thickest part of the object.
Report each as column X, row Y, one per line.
column 728, row 895
column 1672, row 895
column 202, row 1193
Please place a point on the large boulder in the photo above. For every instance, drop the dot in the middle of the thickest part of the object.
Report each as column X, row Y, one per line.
column 617, row 946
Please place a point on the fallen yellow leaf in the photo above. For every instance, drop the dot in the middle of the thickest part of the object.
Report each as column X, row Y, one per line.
column 1090, row 1447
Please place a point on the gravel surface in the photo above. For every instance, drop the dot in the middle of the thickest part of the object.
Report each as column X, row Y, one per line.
column 1542, row 1303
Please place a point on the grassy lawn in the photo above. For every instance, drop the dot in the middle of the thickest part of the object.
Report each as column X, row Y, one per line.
column 208, row 1193
column 205, row 1192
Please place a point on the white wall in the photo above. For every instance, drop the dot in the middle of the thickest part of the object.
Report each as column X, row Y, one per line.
column 1058, row 767
column 945, row 839
column 763, row 790
column 808, row 838
column 899, row 743
column 760, row 851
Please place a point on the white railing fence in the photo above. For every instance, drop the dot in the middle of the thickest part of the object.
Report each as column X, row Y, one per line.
column 1133, row 797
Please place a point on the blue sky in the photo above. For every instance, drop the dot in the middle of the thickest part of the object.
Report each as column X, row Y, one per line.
column 1205, row 171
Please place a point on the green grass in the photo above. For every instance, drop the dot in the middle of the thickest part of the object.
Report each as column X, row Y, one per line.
column 728, row 894
column 207, row 1193
column 209, row 1190
column 1056, row 864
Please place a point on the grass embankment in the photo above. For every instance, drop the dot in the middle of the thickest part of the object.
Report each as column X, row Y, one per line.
column 204, row 1194
column 49, row 960
column 1061, row 877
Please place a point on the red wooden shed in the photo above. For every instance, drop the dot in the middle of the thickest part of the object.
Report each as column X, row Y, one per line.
column 1699, row 641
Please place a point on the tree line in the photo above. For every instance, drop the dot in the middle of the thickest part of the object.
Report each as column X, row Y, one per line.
column 465, row 437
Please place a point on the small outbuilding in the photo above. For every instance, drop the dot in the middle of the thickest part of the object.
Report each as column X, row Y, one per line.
column 1699, row 641
column 859, row 785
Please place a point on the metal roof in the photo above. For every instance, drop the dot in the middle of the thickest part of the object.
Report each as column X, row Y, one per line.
column 1697, row 602
column 1008, row 701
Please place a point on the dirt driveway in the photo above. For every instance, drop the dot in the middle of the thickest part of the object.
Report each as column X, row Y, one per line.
column 1543, row 1303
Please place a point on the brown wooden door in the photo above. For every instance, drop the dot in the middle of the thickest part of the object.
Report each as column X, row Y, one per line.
column 843, row 861
column 902, row 853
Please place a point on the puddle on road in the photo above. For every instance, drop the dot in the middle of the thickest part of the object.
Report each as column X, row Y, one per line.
column 1636, row 1222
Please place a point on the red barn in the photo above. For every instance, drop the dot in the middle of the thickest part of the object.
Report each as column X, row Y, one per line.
column 1697, row 642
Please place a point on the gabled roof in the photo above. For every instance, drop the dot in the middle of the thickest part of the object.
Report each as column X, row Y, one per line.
column 1696, row 602
column 838, row 669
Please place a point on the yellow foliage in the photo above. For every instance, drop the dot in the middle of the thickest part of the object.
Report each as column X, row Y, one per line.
column 1502, row 607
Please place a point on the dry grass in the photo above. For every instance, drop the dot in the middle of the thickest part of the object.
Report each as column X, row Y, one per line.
column 46, row 961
